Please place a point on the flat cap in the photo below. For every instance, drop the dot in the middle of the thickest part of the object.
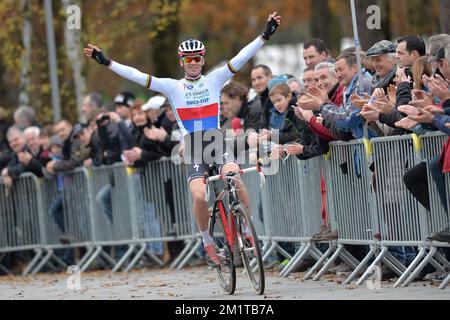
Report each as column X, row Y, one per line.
column 381, row 47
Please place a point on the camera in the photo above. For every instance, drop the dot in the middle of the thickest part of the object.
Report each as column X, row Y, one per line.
column 102, row 119
column 408, row 72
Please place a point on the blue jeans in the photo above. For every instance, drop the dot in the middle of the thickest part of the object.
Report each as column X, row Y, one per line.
column 103, row 198
column 56, row 211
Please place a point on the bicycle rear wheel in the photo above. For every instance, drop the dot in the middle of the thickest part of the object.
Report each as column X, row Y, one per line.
column 250, row 250
column 226, row 272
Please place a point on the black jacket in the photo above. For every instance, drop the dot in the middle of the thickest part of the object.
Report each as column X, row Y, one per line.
column 71, row 155
column 151, row 150
column 296, row 130
column 16, row 168
column 108, row 143
column 267, row 108
column 403, row 96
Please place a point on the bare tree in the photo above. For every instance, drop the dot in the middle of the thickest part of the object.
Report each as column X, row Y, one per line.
column 72, row 39
column 320, row 20
column 444, row 13
column 27, row 31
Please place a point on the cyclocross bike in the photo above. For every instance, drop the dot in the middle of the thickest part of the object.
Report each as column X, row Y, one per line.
column 232, row 229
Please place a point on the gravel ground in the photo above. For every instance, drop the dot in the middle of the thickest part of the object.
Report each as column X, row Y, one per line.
column 200, row 283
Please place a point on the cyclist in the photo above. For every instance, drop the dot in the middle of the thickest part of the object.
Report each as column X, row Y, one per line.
column 195, row 103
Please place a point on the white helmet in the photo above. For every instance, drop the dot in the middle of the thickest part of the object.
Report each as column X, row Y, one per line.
column 191, row 47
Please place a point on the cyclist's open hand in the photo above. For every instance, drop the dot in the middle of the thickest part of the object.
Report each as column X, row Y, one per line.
column 273, row 21
column 96, row 53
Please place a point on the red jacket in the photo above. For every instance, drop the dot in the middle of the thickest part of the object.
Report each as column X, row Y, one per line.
column 444, row 158
column 320, row 130
column 337, row 95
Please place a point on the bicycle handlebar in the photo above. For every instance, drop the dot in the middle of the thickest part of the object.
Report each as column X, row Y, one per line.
column 257, row 168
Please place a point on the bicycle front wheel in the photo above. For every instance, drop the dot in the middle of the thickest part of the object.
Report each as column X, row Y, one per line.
column 226, row 272
column 250, row 250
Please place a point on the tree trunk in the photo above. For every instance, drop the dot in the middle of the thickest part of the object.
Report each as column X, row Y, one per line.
column 399, row 18
column 166, row 41
column 444, row 13
column 74, row 55
column 25, row 73
column 320, row 20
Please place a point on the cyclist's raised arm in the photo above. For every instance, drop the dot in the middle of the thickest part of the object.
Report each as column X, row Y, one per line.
column 248, row 52
column 126, row 72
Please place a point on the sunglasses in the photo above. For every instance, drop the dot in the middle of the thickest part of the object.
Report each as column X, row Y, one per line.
column 197, row 59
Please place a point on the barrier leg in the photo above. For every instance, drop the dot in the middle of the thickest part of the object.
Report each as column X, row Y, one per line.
column 91, row 258
column 106, row 257
column 441, row 258
column 320, row 262
column 190, row 254
column 152, row 256
column 35, row 259
column 182, row 254
column 411, row 267
column 269, row 251
column 349, row 258
column 361, row 265
column 445, row 283
column 283, row 252
column 122, row 260
column 298, row 256
column 59, row 261
column 89, row 251
column 43, row 262
column 136, row 257
column 420, row 267
column 372, row 266
column 393, row 263
column 329, row 262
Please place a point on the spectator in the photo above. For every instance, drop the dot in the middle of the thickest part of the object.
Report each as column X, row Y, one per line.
column 315, row 51
column 261, row 75
column 32, row 136
column 325, row 77
column 144, row 150
column 308, row 78
column 91, row 101
column 19, row 160
column 419, row 69
column 295, row 85
column 123, row 103
column 384, row 62
column 71, row 151
column 242, row 115
column 153, row 108
column 409, row 49
column 435, row 43
column 25, row 117
column 340, row 119
column 46, row 134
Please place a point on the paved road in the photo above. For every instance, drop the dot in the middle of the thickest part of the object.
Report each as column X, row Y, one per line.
column 200, row 283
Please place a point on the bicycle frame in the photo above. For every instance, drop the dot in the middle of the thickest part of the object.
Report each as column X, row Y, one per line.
column 229, row 227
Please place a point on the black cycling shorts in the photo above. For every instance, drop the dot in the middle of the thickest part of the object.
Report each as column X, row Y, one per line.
column 203, row 148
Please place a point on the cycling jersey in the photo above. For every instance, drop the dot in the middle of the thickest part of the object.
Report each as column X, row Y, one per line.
column 194, row 103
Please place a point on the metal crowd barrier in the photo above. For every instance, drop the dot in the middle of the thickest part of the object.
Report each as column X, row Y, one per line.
column 21, row 227
column 349, row 198
column 437, row 218
column 302, row 188
column 142, row 210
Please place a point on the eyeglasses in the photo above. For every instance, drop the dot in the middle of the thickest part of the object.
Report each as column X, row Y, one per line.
column 197, row 59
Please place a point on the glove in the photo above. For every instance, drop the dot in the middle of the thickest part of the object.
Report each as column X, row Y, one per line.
column 271, row 27
column 100, row 58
